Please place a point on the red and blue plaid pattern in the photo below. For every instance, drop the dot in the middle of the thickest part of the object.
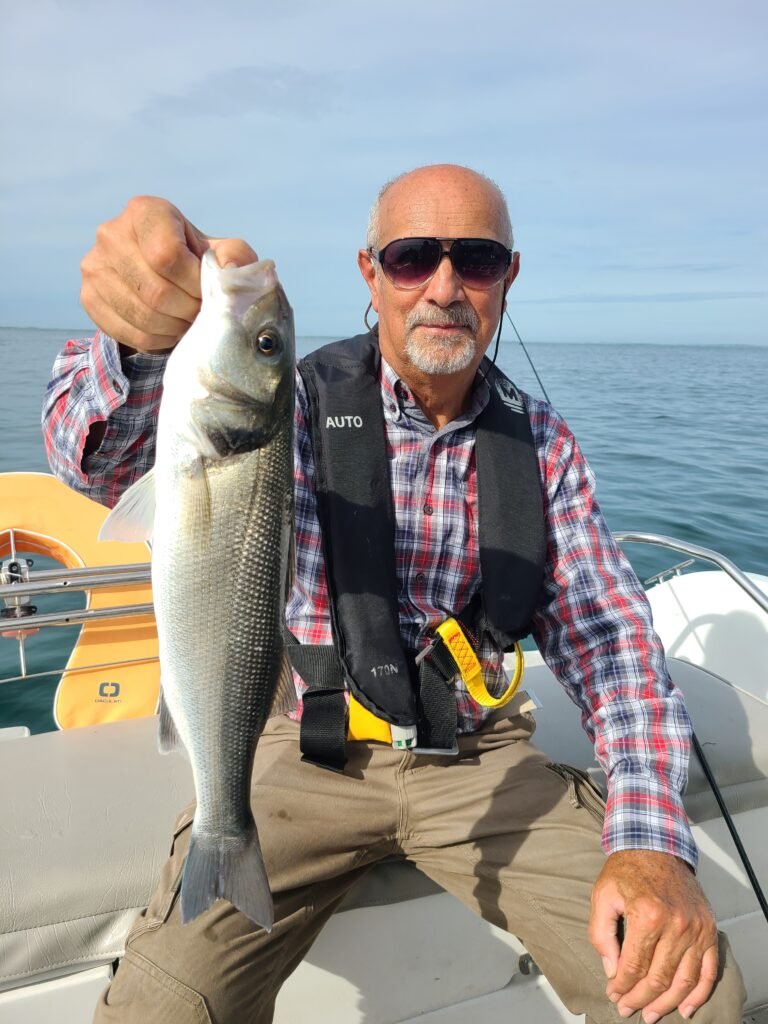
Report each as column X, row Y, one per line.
column 593, row 626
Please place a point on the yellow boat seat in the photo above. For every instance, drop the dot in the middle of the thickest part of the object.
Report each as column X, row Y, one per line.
column 113, row 671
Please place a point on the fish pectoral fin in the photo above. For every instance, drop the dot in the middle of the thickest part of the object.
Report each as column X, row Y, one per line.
column 168, row 738
column 133, row 517
column 199, row 488
column 285, row 692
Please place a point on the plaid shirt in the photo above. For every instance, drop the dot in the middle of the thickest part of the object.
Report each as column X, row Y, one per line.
column 593, row 625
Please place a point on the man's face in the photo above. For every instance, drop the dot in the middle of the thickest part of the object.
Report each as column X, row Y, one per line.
column 443, row 326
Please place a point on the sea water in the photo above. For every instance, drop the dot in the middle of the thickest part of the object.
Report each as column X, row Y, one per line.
column 676, row 435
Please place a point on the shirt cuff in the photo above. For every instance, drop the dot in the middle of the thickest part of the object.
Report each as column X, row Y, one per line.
column 644, row 813
column 109, row 384
column 113, row 376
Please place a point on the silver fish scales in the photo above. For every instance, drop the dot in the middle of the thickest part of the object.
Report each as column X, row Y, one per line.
column 221, row 513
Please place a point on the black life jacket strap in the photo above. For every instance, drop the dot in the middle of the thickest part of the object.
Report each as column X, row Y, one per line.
column 436, row 700
column 355, row 511
column 323, row 735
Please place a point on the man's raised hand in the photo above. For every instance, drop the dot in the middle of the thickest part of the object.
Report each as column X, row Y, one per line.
column 141, row 280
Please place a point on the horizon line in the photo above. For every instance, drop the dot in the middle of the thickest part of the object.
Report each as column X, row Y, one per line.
column 77, row 332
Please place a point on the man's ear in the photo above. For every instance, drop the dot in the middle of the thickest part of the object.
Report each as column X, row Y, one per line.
column 514, row 270
column 368, row 270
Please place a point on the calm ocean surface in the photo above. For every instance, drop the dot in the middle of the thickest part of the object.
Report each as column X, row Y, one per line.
column 677, row 436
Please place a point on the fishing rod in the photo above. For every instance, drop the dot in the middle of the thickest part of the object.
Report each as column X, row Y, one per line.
column 707, row 769
column 705, row 765
column 527, row 355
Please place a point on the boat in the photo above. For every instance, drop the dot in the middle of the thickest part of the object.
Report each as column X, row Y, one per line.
column 87, row 810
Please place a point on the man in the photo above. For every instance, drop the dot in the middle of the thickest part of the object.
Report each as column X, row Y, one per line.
column 495, row 825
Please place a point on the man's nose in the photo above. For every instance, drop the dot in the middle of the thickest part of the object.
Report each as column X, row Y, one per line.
column 445, row 285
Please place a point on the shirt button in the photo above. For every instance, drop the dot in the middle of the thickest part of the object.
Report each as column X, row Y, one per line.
column 428, row 510
column 117, row 386
column 420, row 577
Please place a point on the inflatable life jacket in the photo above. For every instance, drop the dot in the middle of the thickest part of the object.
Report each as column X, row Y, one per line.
column 357, row 523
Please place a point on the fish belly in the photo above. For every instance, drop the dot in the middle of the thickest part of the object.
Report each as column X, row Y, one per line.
column 219, row 572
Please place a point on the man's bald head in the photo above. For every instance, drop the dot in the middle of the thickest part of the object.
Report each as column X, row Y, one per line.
column 413, row 188
column 437, row 330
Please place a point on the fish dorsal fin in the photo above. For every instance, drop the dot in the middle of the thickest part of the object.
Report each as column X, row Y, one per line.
column 285, row 692
column 133, row 517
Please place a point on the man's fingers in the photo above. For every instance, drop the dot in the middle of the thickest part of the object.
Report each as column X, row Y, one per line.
column 669, row 980
column 232, row 250
column 603, row 929
column 676, row 947
column 701, row 993
column 637, row 951
column 103, row 314
column 128, row 276
column 689, row 976
column 134, row 301
column 162, row 235
column 133, row 277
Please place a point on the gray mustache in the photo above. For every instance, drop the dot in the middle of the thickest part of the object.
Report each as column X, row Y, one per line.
column 460, row 316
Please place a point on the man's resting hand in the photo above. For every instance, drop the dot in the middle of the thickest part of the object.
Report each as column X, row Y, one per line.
column 668, row 957
column 141, row 280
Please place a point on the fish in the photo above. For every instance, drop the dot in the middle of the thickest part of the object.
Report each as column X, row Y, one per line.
column 218, row 509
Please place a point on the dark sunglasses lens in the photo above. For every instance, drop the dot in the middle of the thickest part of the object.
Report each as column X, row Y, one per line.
column 480, row 263
column 408, row 262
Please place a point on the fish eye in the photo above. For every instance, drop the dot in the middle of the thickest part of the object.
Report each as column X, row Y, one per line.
column 267, row 343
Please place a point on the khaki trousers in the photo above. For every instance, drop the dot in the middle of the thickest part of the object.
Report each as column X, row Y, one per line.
column 513, row 837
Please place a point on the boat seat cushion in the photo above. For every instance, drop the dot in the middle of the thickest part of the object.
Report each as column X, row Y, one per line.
column 731, row 725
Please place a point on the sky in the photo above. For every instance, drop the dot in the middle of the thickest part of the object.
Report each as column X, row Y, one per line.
column 630, row 140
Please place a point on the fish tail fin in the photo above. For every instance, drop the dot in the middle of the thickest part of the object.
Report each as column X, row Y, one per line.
column 229, row 868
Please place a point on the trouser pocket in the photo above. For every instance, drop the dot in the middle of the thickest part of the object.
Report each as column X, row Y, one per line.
column 143, row 993
column 166, row 892
column 154, row 981
column 582, row 791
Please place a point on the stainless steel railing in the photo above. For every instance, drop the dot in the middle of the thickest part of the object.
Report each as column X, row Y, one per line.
column 19, row 619
column 706, row 554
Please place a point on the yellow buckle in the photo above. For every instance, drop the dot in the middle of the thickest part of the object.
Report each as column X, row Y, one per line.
column 471, row 670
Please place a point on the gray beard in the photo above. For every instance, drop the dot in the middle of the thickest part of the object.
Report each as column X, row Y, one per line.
column 441, row 355
column 446, row 355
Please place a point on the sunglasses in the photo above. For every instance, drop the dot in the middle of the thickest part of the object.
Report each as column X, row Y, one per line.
column 411, row 262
